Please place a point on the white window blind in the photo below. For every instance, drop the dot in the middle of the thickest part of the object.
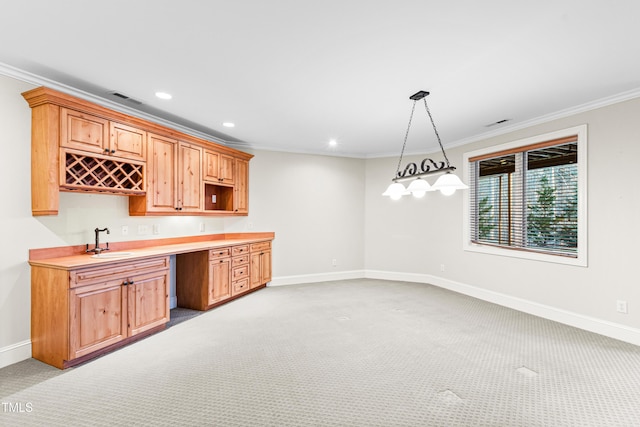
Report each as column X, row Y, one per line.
column 526, row 198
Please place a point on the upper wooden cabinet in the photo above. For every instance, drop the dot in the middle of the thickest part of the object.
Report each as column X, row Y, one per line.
column 174, row 182
column 218, row 167
column 83, row 147
column 241, row 199
column 189, row 177
column 84, row 131
column 127, row 141
column 96, row 135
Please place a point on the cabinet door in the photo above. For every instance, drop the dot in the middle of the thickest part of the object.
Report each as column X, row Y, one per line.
column 83, row 131
column 241, row 187
column 147, row 301
column 265, row 267
column 97, row 317
column 162, row 192
column 219, row 279
column 255, row 275
column 218, row 167
column 260, row 268
column 227, row 164
column 211, row 170
column 189, row 177
column 127, row 142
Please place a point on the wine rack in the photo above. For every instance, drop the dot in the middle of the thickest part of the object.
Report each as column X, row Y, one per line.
column 101, row 174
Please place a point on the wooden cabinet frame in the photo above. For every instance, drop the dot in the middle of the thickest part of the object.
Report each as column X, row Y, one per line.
column 63, row 122
column 79, row 313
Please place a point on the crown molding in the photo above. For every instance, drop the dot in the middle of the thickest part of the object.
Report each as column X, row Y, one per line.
column 28, row 77
column 25, row 76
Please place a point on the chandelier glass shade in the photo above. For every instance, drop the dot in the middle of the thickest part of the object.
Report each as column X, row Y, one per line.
column 447, row 184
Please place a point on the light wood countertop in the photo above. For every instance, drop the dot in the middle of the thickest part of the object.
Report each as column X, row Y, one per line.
column 73, row 257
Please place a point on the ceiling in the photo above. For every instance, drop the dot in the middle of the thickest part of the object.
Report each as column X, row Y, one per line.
column 293, row 74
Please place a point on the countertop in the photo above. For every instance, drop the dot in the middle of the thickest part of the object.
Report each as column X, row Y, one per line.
column 149, row 249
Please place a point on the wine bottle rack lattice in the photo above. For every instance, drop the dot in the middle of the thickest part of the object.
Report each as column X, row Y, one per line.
column 105, row 175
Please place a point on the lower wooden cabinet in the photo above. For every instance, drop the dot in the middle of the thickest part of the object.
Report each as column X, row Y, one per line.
column 206, row 279
column 219, row 280
column 260, row 264
column 79, row 313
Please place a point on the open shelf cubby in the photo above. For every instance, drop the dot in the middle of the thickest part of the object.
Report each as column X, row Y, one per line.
column 218, row 197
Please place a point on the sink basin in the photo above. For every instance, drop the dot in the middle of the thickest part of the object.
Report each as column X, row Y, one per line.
column 112, row 255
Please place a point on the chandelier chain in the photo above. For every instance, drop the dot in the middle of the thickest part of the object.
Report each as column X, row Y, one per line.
column 435, row 130
column 406, row 136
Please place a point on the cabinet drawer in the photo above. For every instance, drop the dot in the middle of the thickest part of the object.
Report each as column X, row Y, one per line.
column 239, row 250
column 240, row 272
column 219, row 253
column 240, row 286
column 239, row 260
column 116, row 271
column 262, row 246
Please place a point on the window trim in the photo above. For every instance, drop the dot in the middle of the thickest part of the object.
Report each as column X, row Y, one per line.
column 492, row 249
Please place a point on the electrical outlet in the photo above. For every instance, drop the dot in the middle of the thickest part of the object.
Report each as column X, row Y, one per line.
column 125, row 230
column 334, row 262
column 621, row 306
column 202, row 227
column 156, row 229
column 143, row 229
column 441, row 267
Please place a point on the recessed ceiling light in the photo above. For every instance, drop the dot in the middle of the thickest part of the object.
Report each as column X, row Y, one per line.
column 163, row 95
column 333, row 143
column 229, row 125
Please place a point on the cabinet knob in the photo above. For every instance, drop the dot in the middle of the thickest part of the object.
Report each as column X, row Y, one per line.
column 106, row 150
column 113, row 151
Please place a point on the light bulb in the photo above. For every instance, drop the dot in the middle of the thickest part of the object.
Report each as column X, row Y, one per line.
column 419, row 187
column 447, row 191
column 395, row 191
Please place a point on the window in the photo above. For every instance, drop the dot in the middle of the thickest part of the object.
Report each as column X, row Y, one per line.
column 528, row 198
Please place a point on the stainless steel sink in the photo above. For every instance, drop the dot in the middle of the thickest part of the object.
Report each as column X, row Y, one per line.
column 112, row 255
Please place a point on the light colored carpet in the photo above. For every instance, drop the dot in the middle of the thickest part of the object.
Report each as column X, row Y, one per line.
column 347, row 353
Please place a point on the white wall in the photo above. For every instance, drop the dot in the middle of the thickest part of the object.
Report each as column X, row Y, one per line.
column 323, row 208
column 314, row 204
column 427, row 233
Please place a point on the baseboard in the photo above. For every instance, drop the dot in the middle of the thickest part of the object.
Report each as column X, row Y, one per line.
column 591, row 324
column 15, row 353
column 314, row 278
column 21, row 351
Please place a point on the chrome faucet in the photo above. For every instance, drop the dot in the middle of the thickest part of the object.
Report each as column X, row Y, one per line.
column 97, row 249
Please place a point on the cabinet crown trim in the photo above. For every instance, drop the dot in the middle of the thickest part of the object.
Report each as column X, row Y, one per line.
column 44, row 95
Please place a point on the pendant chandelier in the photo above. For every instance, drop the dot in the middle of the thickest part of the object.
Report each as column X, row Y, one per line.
column 447, row 184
